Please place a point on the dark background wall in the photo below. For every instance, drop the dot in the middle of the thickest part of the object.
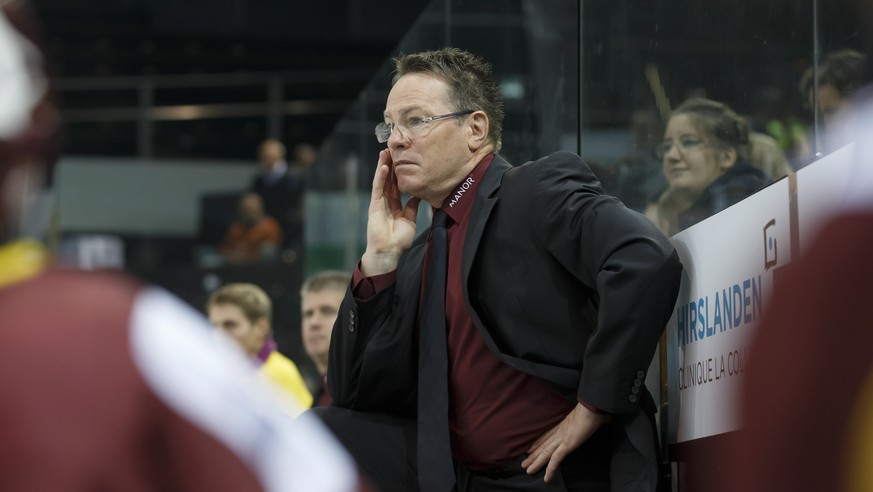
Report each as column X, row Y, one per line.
column 326, row 51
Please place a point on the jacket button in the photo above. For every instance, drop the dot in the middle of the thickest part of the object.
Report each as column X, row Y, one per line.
column 638, row 382
column 635, row 390
column 632, row 398
column 641, row 374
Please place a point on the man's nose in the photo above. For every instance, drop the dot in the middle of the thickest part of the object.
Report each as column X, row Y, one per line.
column 396, row 138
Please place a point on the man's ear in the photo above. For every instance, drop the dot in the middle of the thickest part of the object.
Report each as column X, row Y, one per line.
column 478, row 126
column 262, row 326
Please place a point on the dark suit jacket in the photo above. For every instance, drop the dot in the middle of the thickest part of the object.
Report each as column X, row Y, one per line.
column 563, row 282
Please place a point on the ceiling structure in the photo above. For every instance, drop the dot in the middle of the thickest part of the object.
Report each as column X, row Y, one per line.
column 212, row 77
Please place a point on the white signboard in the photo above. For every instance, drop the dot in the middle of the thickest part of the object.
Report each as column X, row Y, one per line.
column 729, row 262
column 822, row 191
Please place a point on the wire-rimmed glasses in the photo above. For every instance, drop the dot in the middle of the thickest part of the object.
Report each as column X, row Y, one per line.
column 412, row 126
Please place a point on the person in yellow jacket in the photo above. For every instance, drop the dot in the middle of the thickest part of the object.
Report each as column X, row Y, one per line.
column 244, row 312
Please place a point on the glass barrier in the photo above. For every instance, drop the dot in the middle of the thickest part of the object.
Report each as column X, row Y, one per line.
column 603, row 79
column 597, row 77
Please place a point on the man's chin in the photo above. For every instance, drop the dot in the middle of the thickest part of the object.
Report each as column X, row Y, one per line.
column 410, row 191
column 315, row 351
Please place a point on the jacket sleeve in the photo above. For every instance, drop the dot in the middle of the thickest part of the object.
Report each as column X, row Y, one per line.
column 621, row 255
column 373, row 359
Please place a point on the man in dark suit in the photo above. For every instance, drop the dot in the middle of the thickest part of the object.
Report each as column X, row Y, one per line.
column 555, row 298
column 281, row 187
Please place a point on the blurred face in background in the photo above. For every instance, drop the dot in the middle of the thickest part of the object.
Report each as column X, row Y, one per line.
column 319, row 309
column 830, row 102
column 230, row 318
column 691, row 161
column 271, row 151
column 251, row 208
column 305, row 155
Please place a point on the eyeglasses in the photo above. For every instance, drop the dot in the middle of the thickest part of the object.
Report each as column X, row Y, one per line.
column 413, row 126
column 685, row 144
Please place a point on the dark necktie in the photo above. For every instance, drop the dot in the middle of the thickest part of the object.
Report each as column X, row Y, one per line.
column 436, row 472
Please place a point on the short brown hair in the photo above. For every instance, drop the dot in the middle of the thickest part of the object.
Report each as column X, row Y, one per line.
column 327, row 279
column 471, row 83
column 844, row 69
column 251, row 299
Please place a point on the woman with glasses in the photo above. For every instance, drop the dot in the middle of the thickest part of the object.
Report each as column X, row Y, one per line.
column 705, row 157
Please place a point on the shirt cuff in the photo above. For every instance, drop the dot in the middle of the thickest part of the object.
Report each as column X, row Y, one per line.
column 365, row 288
column 592, row 408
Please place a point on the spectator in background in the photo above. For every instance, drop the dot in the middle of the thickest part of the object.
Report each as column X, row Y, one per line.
column 839, row 75
column 705, row 154
column 773, row 114
column 320, row 299
column 282, row 187
column 109, row 384
column 254, row 236
column 244, row 312
column 305, row 155
column 767, row 155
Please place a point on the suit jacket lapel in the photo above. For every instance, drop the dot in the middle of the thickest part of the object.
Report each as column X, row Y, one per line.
column 485, row 200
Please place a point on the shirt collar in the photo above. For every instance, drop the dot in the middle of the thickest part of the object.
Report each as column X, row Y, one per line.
column 460, row 201
column 268, row 348
column 279, row 167
column 276, row 172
